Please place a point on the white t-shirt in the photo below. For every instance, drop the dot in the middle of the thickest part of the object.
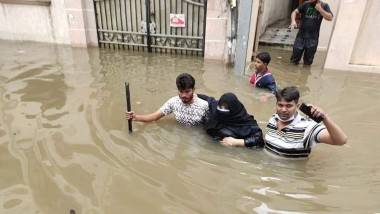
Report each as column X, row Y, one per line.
column 187, row 114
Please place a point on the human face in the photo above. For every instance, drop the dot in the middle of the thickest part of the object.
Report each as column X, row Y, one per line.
column 260, row 65
column 286, row 110
column 186, row 95
column 223, row 108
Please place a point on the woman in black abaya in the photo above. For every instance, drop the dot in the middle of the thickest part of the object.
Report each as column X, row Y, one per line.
column 229, row 122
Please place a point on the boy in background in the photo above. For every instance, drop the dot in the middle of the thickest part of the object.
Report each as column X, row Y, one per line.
column 263, row 78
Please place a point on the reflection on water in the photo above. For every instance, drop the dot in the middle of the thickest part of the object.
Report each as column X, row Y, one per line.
column 64, row 143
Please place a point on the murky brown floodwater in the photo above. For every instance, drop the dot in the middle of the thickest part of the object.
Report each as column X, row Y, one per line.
column 64, row 143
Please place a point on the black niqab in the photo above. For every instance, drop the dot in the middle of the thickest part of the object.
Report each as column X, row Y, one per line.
column 237, row 121
column 237, row 116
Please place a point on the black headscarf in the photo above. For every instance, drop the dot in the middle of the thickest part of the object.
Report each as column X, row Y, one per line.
column 237, row 122
column 237, row 116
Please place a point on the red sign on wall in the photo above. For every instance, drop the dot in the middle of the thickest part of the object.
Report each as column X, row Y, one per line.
column 177, row 20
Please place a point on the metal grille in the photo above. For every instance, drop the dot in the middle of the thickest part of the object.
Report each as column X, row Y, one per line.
column 123, row 24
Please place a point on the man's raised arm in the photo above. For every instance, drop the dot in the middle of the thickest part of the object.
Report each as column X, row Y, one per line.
column 326, row 15
column 333, row 134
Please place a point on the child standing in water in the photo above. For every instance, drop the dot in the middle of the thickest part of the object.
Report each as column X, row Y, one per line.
column 263, row 78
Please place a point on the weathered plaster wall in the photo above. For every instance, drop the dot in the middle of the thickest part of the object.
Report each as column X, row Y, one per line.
column 367, row 47
column 62, row 21
column 351, row 32
column 34, row 22
column 275, row 10
column 327, row 26
column 216, row 29
column 81, row 21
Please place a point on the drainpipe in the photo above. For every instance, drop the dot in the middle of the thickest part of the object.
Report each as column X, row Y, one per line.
column 231, row 38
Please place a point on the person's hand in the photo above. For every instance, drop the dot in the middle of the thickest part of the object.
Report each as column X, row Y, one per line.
column 130, row 115
column 228, row 141
column 317, row 112
column 318, row 6
column 293, row 25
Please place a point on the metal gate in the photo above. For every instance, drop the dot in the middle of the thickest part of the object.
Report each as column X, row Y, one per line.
column 175, row 26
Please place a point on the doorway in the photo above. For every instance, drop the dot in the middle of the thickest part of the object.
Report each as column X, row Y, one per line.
column 273, row 21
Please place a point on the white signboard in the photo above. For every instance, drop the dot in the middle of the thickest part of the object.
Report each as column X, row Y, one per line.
column 177, row 20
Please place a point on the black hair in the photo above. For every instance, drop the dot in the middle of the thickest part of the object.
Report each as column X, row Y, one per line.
column 185, row 81
column 288, row 94
column 264, row 57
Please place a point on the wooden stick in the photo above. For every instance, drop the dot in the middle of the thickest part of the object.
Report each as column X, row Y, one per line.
column 127, row 94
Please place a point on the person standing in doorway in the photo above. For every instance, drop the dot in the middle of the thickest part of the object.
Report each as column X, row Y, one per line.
column 312, row 13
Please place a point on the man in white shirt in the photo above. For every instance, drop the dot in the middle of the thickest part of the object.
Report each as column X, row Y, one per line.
column 188, row 109
column 289, row 134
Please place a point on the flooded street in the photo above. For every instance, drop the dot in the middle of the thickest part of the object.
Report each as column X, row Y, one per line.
column 64, row 142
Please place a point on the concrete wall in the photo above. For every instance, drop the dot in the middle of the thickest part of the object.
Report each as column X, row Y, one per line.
column 218, row 13
column 367, row 46
column 327, row 26
column 274, row 10
column 63, row 21
column 355, row 28
column 81, row 21
column 34, row 22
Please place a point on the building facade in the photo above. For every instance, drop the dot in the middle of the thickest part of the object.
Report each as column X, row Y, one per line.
column 351, row 39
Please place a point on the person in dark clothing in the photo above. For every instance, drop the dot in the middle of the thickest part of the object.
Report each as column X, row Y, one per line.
column 229, row 122
column 263, row 78
column 306, row 43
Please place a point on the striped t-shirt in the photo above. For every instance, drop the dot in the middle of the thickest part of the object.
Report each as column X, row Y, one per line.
column 294, row 140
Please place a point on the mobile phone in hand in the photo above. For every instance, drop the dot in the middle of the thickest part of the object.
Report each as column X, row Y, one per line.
column 307, row 111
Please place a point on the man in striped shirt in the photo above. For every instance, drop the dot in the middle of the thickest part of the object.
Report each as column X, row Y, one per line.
column 290, row 134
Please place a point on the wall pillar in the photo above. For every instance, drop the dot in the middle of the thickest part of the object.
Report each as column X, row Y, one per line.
column 81, row 21
column 216, row 29
column 343, row 40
